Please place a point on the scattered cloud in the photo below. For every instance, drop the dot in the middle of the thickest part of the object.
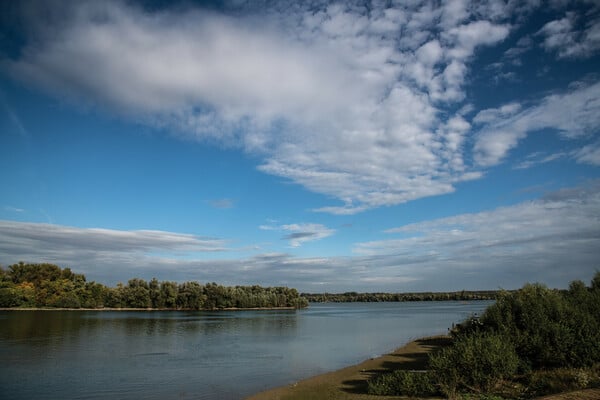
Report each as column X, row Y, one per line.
column 589, row 154
column 301, row 233
column 539, row 158
column 571, row 38
column 522, row 46
column 573, row 114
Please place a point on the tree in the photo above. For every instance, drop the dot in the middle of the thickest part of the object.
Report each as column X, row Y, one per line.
column 47, row 285
column 168, row 291
column 156, row 297
column 137, row 294
column 191, row 296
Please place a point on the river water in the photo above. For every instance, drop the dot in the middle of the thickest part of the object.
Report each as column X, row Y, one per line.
column 201, row 355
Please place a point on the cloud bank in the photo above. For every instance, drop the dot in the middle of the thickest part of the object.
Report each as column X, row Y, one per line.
column 553, row 240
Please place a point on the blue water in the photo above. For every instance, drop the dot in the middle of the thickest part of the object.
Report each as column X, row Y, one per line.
column 201, row 355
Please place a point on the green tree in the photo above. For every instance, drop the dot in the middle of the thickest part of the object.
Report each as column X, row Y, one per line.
column 34, row 273
column 113, row 297
column 137, row 294
column 168, row 291
column 191, row 296
column 156, row 296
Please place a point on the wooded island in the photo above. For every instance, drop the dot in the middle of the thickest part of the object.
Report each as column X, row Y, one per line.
column 49, row 286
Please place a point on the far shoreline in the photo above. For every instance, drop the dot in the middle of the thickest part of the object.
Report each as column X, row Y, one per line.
column 148, row 309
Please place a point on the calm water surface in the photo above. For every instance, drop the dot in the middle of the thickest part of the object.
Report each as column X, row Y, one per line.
column 201, row 355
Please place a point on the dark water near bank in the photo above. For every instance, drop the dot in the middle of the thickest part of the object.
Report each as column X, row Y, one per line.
column 201, row 355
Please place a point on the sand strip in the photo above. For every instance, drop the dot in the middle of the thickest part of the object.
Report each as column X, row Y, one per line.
column 351, row 382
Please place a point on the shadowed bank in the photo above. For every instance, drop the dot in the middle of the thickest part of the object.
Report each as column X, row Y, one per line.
column 351, row 382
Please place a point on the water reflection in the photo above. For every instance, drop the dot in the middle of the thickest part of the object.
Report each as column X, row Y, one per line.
column 45, row 325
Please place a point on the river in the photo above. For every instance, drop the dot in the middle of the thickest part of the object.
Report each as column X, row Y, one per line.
column 201, row 355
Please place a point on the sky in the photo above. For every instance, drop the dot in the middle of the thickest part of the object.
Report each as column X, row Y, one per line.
column 327, row 146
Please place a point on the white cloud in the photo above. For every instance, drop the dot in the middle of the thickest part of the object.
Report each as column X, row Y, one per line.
column 523, row 45
column 538, row 158
column 34, row 241
column 344, row 102
column 589, row 154
column 495, row 114
column 539, row 241
column 468, row 36
column 349, row 103
column 563, row 36
column 574, row 114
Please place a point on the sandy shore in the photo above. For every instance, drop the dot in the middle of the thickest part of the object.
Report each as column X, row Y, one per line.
column 351, row 383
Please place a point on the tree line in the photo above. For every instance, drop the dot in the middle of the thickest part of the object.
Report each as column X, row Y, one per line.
column 48, row 285
column 350, row 297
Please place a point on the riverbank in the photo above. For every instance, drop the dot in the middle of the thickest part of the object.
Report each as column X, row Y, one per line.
column 350, row 383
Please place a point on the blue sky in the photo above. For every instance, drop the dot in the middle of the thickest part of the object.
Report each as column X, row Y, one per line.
column 331, row 147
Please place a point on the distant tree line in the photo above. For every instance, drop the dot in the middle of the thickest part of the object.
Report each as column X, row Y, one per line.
column 48, row 285
column 350, row 297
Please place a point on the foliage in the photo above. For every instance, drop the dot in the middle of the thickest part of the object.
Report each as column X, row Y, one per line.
column 548, row 328
column 474, row 363
column 351, row 297
column 403, row 383
column 530, row 342
column 47, row 285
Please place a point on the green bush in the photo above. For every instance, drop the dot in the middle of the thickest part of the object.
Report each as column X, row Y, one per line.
column 475, row 363
column 481, row 397
column 403, row 383
column 549, row 328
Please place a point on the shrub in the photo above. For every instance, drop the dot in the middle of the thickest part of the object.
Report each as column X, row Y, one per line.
column 475, row 363
column 403, row 383
column 549, row 328
column 546, row 382
column 481, row 397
